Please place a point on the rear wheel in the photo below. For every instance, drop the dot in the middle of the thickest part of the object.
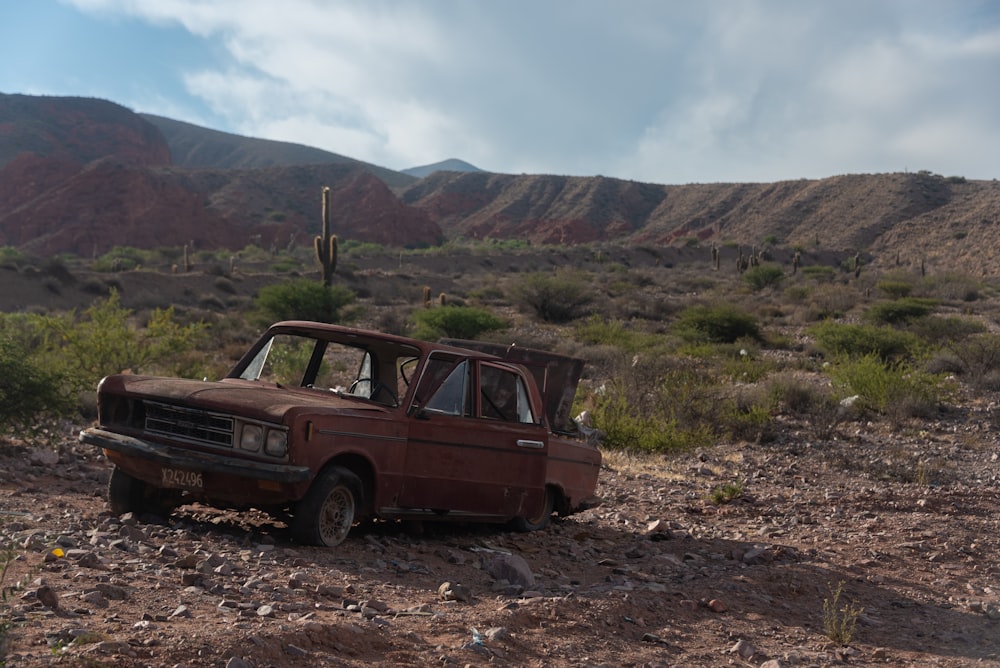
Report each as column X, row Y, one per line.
column 327, row 512
column 540, row 520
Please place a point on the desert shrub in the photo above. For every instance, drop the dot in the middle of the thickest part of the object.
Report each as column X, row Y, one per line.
column 30, row 389
column 819, row 273
column 302, row 299
column 106, row 339
column 223, row 284
column 895, row 389
column 746, row 368
column 899, row 311
column 121, row 258
column 895, row 289
column 360, row 248
column 978, row 360
column 12, row 258
column 816, row 404
column 939, row 330
column 763, row 276
column 286, row 266
column 627, row 431
column 840, row 339
column 718, row 323
column 558, row 297
column 832, row 301
column 654, row 403
column 796, row 293
column 597, row 330
column 950, row 285
column 458, row 322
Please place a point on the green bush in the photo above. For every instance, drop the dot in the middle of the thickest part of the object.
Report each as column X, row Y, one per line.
column 29, row 389
column 457, row 322
column 899, row 311
column 763, row 276
column 978, row 359
column 819, row 273
column 105, row 339
column 302, row 299
column 719, row 323
column 952, row 286
column 122, row 258
column 597, row 330
column 47, row 361
column 840, row 339
column 13, row 258
column 557, row 298
column 627, row 431
column 892, row 388
column 940, row 330
column 895, row 289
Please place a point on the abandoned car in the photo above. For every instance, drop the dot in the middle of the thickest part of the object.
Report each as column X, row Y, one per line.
column 324, row 426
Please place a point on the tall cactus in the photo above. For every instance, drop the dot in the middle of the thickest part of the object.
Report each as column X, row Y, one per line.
column 326, row 244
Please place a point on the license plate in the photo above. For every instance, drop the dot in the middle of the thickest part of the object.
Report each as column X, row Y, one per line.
column 181, row 479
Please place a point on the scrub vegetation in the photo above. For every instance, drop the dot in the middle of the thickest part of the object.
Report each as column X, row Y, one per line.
column 679, row 356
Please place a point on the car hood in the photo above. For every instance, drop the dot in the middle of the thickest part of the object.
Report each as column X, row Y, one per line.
column 264, row 401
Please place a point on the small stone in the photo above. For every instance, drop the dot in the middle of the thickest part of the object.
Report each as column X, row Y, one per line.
column 47, row 597
column 715, row 605
column 295, row 650
column 513, row 568
column 180, row 611
column 453, row 591
column 113, row 592
column 743, row 648
column 265, row 611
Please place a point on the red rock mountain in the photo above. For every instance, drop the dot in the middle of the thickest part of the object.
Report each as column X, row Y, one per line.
column 82, row 176
column 79, row 175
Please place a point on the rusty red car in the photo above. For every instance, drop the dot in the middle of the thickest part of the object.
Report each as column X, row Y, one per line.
column 324, row 426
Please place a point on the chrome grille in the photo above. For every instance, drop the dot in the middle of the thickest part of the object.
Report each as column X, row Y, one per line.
column 189, row 424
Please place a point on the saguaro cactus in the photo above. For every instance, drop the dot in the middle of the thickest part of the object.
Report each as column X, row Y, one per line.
column 326, row 244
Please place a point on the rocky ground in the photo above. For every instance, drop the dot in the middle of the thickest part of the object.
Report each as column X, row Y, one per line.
column 901, row 521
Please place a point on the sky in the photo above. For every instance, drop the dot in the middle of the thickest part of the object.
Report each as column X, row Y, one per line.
column 660, row 91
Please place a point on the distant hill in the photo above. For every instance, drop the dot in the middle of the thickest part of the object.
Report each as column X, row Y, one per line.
column 449, row 165
column 76, row 129
column 81, row 175
column 195, row 146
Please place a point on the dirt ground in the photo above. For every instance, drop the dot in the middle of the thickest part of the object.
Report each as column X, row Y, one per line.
column 902, row 522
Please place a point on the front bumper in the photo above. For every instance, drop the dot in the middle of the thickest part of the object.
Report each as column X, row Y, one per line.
column 197, row 461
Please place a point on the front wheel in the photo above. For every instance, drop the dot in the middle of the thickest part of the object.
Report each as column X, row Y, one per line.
column 541, row 520
column 127, row 494
column 327, row 512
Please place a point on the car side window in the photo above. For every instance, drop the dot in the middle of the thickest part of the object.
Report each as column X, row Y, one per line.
column 502, row 395
column 452, row 396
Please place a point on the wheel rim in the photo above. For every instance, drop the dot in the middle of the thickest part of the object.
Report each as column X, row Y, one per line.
column 336, row 516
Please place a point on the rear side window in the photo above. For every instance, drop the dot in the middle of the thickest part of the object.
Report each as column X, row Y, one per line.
column 503, row 396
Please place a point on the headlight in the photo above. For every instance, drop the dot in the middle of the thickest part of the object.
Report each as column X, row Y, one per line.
column 277, row 443
column 252, row 437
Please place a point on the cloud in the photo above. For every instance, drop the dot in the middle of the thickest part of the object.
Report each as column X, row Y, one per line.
column 666, row 92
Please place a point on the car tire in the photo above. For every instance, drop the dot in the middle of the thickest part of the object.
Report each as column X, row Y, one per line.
column 541, row 520
column 125, row 493
column 131, row 495
column 327, row 512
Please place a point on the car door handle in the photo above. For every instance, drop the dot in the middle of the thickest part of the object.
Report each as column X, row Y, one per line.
column 525, row 443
